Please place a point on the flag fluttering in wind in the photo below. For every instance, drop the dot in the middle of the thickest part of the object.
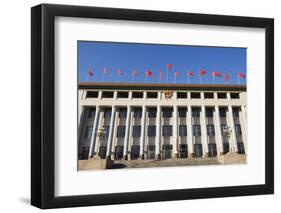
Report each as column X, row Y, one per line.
column 160, row 75
column 90, row 72
column 176, row 74
column 189, row 73
column 216, row 74
column 169, row 67
column 202, row 72
column 241, row 75
column 148, row 73
column 226, row 78
column 119, row 72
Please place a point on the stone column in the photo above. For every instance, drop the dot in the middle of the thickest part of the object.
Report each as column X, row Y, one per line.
column 94, row 133
column 233, row 145
column 126, row 139
column 175, row 132
column 218, row 133
column 204, row 131
column 189, row 130
column 244, row 127
column 158, row 134
column 143, row 127
column 110, row 135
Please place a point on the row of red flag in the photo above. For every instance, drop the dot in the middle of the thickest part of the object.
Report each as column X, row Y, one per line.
column 148, row 73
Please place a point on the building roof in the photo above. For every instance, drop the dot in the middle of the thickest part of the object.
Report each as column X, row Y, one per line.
column 155, row 86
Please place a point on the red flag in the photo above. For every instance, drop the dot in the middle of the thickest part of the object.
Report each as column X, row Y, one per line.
column 120, row 72
column 90, row 72
column 148, row 73
column 105, row 71
column 134, row 73
column 216, row 74
column 226, row 77
column 160, row 75
column 190, row 73
column 202, row 72
column 177, row 74
column 241, row 75
column 169, row 66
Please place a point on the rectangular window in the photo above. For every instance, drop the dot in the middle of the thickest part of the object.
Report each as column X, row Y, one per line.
column 208, row 95
column 196, row 130
column 106, row 130
column 137, row 95
column 223, row 129
column 221, row 95
column 238, row 130
column 151, row 131
column 210, row 130
column 122, row 94
column 138, row 113
column 235, row 112
column 107, row 113
column 222, row 113
column 209, row 113
column 89, row 131
column 121, row 131
column 182, row 130
column 152, row 113
column 234, row 95
column 92, row 113
column 92, row 94
column 136, row 131
column 182, row 113
column 152, row 95
column 167, row 113
column 195, row 95
column 167, row 130
column 122, row 113
column 196, row 113
column 182, row 95
column 107, row 94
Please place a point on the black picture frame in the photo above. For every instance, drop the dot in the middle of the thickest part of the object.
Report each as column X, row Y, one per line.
column 43, row 102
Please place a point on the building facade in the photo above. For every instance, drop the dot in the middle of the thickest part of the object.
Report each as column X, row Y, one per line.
column 160, row 121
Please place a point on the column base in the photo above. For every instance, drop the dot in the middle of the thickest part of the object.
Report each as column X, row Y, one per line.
column 125, row 157
column 142, row 157
column 108, row 162
column 158, row 157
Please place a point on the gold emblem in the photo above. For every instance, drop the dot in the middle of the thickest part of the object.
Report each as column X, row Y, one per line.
column 168, row 94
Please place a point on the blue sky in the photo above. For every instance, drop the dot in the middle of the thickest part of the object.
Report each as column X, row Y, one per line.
column 154, row 57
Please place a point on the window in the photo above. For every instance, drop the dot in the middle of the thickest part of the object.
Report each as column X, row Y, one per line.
column 136, row 131
column 238, row 129
column 223, row 129
column 181, row 95
column 234, row 95
column 89, row 131
column 122, row 94
column 152, row 94
column 137, row 95
column 196, row 130
column 182, row 130
column 196, row 113
column 151, row 131
column 167, row 113
column 107, row 113
column 137, row 113
column 195, row 95
column 182, row 112
column 221, row 95
column 222, row 113
column 106, row 130
column 209, row 95
column 152, row 113
column 167, row 130
column 210, row 130
column 122, row 113
column 92, row 94
column 121, row 131
column 107, row 94
column 209, row 112
column 235, row 112
column 92, row 113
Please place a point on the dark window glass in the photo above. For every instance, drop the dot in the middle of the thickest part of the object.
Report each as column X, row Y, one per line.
column 121, row 131
column 181, row 95
column 92, row 94
column 221, row 95
column 122, row 95
column 223, row 129
column 122, row 113
column 195, row 95
column 152, row 113
column 167, row 113
column 210, row 130
column 106, row 130
column 182, row 113
column 137, row 95
column 167, row 130
column 152, row 94
column 89, row 131
column 151, row 131
column 196, row 130
column 182, row 130
column 209, row 113
column 136, row 131
column 196, row 113
column 107, row 113
column 138, row 113
column 92, row 113
column 235, row 112
column 222, row 113
column 234, row 95
column 107, row 94
column 208, row 95
column 238, row 130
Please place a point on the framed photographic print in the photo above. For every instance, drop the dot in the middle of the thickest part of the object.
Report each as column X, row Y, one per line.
column 139, row 106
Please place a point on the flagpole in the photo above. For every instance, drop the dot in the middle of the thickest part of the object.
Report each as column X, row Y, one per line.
column 213, row 79
column 200, row 80
column 167, row 76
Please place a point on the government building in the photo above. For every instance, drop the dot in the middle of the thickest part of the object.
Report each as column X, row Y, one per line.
column 121, row 121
